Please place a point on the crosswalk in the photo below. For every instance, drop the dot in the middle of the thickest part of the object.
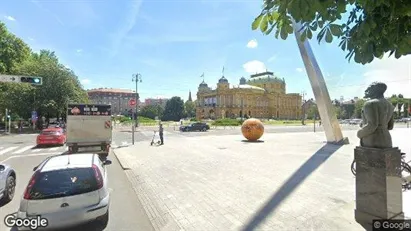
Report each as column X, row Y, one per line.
column 32, row 149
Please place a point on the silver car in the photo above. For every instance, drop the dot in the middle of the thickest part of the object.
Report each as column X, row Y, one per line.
column 7, row 183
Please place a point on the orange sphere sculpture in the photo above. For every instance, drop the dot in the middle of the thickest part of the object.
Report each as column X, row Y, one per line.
column 252, row 129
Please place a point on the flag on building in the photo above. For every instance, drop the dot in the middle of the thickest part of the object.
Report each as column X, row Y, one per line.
column 402, row 108
column 223, row 71
column 409, row 108
column 202, row 75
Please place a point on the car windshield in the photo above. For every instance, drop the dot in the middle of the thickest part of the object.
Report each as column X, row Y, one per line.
column 62, row 183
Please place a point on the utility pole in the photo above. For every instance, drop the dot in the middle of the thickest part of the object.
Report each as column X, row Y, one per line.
column 137, row 78
column 303, row 108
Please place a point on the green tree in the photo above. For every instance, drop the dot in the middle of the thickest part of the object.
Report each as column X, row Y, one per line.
column 60, row 85
column 337, row 111
column 174, row 110
column 358, row 108
column 151, row 111
column 189, row 109
column 372, row 29
column 312, row 111
column 12, row 50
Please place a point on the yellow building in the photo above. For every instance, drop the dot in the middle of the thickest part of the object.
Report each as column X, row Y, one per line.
column 262, row 96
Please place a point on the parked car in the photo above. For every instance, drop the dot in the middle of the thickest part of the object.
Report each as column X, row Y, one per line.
column 7, row 183
column 195, row 127
column 68, row 190
column 51, row 136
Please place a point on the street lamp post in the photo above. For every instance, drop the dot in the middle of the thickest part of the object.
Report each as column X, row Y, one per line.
column 303, row 108
column 136, row 78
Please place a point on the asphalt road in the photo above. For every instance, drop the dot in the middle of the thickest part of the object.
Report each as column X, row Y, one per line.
column 126, row 211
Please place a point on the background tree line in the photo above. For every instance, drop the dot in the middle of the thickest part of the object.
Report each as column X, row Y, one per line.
column 60, row 84
column 174, row 110
column 353, row 109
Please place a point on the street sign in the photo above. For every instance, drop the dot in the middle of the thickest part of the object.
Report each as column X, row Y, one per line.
column 132, row 102
column 33, row 116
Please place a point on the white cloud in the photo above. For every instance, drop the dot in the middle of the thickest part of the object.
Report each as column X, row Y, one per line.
column 85, row 81
column 299, row 69
column 79, row 50
column 254, row 66
column 396, row 73
column 10, row 18
column 252, row 43
column 31, row 39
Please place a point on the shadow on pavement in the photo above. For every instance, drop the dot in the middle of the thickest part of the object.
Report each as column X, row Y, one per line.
column 255, row 141
column 291, row 184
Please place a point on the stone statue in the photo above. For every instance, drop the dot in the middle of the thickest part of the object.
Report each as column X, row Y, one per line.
column 377, row 118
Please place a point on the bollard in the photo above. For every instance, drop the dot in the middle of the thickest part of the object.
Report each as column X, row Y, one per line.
column 132, row 134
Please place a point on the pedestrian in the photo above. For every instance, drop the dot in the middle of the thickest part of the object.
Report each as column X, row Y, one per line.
column 160, row 132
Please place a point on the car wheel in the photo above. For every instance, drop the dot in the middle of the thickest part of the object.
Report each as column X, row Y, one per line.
column 9, row 190
column 204, row 129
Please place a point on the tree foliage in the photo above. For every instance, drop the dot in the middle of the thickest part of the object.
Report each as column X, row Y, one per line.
column 12, row 50
column 189, row 109
column 151, row 111
column 174, row 110
column 373, row 27
column 60, row 84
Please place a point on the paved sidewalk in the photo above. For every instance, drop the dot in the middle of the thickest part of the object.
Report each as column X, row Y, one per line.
column 292, row 181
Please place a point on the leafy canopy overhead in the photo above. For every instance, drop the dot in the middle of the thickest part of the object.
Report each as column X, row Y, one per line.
column 373, row 27
column 60, row 84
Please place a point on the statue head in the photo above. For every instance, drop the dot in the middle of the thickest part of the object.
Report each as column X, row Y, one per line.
column 375, row 90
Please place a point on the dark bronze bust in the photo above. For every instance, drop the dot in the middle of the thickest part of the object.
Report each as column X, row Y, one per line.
column 377, row 118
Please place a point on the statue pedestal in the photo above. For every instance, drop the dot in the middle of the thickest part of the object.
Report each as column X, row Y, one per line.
column 378, row 185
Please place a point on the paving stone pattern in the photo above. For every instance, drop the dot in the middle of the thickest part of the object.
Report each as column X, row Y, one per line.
column 221, row 183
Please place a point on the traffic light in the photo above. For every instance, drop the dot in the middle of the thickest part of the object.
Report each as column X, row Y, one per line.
column 32, row 80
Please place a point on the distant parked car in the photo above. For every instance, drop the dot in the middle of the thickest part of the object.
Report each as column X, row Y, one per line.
column 7, row 183
column 195, row 127
column 51, row 136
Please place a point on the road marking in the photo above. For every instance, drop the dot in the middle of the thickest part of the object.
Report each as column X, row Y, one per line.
column 29, row 155
column 54, row 149
column 23, row 149
column 36, row 150
column 7, row 150
column 124, row 143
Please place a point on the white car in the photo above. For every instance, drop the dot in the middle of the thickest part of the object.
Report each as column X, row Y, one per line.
column 7, row 183
column 68, row 190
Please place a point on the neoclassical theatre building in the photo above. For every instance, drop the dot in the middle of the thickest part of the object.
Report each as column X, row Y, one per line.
column 263, row 96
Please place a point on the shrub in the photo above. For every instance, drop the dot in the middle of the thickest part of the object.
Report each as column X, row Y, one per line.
column 226, row 122
column 193, row 120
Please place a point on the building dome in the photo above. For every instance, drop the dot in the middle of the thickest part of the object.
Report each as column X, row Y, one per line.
column 203, row 84
column 266, row 77
column 243, row 81
column 223, row 80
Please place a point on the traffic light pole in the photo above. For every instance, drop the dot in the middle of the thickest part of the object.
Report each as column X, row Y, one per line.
column 136, row 78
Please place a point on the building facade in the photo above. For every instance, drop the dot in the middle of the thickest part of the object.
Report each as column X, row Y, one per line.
column 263, row 96
column 156, row 101
column 118, row 98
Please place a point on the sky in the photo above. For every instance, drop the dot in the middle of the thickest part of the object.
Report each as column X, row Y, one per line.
column 171, row 43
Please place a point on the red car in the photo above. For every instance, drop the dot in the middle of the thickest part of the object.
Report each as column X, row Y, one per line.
column 51, row 136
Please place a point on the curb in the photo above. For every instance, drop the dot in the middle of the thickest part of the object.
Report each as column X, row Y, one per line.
column 123, row 165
